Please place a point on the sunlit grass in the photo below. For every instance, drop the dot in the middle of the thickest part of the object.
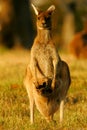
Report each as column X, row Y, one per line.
column 14, row 104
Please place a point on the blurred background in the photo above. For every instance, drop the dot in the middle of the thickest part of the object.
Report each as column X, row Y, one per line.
column 18, row 28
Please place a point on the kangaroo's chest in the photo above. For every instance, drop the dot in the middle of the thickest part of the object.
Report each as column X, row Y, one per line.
column 44, row 54
column 44, row 59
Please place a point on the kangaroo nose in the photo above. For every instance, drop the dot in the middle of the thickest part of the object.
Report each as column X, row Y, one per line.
column 43, row 22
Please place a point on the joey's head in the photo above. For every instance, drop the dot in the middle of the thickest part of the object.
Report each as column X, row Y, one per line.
column 44, row 17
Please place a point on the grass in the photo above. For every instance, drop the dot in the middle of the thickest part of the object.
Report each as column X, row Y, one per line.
column 14, row 104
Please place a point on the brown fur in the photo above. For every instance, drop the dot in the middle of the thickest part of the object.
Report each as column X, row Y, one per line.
column 47, row 77
column 78, row 45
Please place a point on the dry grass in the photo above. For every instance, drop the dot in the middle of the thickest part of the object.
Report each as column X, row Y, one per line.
column 14, row 104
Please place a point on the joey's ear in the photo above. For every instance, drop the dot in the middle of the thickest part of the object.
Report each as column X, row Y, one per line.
column 51, row 8
column 35, row 9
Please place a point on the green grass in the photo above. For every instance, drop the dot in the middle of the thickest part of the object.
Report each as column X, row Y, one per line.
column 14, row 104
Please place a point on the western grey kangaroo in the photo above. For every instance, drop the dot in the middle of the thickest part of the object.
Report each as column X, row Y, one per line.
column 47, row 77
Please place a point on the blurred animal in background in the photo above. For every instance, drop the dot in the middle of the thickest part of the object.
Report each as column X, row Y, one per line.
column 47, row 78
column 78, row 45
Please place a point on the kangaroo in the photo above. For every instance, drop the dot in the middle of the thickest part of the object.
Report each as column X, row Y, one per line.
column 78, row 45
column 47, row 78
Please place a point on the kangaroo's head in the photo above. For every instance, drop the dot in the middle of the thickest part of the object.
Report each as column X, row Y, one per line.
column 44, row 17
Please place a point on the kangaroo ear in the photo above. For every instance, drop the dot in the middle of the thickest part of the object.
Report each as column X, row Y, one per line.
column 35, row 9
column 51, row 8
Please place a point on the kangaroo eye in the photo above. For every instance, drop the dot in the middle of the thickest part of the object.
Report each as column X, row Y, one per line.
column 50, row 13
column 38, row 18
column 48, row 18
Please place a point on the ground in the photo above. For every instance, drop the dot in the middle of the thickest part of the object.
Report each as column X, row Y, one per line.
column 14, row 104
